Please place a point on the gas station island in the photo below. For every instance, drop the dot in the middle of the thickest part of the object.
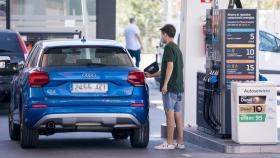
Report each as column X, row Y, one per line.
column 233, row 112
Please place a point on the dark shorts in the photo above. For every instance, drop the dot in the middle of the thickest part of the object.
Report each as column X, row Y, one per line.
column 173, row 101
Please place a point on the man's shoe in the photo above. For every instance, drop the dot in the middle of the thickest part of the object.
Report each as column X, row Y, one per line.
column 179, row 146
column 165, row 146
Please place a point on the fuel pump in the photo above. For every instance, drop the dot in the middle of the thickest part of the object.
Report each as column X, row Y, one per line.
column 231, row 55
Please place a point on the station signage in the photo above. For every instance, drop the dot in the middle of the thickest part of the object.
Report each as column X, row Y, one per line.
column 240, row 45
column 252, row 108
column 205, row 1
column 254, row 113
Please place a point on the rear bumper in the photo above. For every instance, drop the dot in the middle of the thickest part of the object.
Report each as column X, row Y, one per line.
column 86, row 118
column 87, row 122
column 5, row 84
column 5, row 88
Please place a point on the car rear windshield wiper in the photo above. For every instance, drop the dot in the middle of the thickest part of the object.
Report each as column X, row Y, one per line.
column 5, row 50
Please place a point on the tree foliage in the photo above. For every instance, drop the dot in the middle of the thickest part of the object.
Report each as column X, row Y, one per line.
column 261, row 4
column 149, row 15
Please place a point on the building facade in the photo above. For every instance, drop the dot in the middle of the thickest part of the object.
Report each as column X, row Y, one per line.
column 48, row 19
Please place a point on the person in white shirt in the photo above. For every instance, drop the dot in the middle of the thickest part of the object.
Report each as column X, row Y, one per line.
column 133, row 40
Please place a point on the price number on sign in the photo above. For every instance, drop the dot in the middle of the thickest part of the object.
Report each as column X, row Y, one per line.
column 250, row 67
column 250, row 52
column 260, row 118
column 258, row 108
column 252, row 36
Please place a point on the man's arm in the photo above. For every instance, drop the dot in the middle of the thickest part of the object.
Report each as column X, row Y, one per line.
column 148, row 75
column 139, row 39
column 168, row 73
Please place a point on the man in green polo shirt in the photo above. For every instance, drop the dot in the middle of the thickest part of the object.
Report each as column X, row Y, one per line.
column 172, row 88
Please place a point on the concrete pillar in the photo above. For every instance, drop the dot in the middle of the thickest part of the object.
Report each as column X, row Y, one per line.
column 85, row 18
column 106, row 19
column 192, row 45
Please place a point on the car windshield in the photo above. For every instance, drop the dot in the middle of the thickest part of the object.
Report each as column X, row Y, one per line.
column 86, row 56
column 9, row 43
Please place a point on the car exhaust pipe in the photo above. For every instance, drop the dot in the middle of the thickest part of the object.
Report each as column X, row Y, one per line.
column 50, row 125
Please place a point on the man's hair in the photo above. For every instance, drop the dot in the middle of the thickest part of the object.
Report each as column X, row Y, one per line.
column 132, row 20
column 169, row 30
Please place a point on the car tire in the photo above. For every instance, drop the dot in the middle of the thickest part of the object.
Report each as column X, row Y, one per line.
column 28, row 137
column 120, row 134
column 139, row 137
column 3, row 98
column 14, row 129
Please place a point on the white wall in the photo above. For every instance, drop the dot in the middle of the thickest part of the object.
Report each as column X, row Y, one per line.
column 192, row 45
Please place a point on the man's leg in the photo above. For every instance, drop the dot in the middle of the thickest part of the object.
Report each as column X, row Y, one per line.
column 169, row 113
column 179, row 120
column 131, row 52
column 179, row 127
column 170, row 126
column 138, row 57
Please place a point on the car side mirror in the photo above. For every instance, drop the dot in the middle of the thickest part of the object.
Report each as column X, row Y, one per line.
column 21, row 65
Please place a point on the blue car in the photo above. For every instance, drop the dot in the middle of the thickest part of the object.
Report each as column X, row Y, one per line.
column 79, row 86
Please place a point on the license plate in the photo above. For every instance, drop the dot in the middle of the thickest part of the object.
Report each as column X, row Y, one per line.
column 2, row 65
column 89, row 88
column 5, row 58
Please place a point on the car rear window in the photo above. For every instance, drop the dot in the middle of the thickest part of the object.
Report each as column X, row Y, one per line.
column 86, row 56
column 9, row 43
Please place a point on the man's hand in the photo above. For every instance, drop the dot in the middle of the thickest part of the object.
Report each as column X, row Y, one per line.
column 164, row 89
column 169, row 70
column 148, row 75
column 139, row 40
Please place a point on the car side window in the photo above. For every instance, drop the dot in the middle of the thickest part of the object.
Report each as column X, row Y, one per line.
column 35, row 58
column 267, row 42
column 32, row 58
column 28, row 60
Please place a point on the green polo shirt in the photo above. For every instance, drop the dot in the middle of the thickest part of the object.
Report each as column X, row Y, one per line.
column 173, row 54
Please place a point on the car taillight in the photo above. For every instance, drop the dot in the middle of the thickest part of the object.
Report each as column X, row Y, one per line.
column 22, row 45
column 136, row 78
column 38, row 79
